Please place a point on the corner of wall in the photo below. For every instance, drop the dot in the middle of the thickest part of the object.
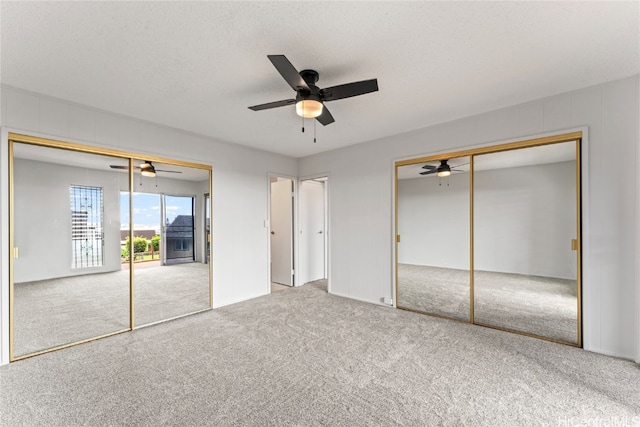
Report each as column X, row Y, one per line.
column 637, row 248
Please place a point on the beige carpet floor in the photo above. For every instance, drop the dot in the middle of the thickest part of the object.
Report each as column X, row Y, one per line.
column 50, row 313
column 543, row 306
column 307, row 358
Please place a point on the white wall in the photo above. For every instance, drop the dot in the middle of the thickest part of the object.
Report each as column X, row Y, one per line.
column 524, row 220
column 361, row 199
column 239, row 247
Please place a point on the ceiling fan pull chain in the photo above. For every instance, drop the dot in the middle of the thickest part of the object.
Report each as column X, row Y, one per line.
column 302, row 124
column 314, row 131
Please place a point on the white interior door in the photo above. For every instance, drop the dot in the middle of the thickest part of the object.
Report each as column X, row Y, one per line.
column 281, row 228
column 312, row 231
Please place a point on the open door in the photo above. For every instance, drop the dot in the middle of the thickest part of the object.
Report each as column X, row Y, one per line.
column 281, row 229
column 312, row 231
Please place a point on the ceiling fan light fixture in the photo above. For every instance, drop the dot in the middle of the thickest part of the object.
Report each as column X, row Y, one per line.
column 309, row 108
column 150, row 172
column 147, row 169
column 444, row 169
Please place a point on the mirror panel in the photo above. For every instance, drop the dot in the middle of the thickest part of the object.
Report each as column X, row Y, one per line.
column 525, row 218
column 433, row 224
column 171, row 273
column 68, row 284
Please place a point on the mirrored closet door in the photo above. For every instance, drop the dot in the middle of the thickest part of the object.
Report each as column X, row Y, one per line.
column 171, row 273
column 525, row 241
column 433, row 248
column 102, row 242
column 68, row 281
column 491, row 236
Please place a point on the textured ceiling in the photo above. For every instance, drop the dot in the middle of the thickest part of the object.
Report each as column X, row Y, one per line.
column 198, row 66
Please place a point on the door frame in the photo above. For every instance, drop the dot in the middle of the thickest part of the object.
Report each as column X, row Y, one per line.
column 327, row 225
column 294, row 228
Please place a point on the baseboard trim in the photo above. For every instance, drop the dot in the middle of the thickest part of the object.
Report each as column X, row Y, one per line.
column 238, row 300
column 360, row 299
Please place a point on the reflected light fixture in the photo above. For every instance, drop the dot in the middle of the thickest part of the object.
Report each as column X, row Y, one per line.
column 147, row 169
column 444, row 169
column 309, row 108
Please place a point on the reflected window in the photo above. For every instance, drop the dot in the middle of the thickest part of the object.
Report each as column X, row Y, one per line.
column 86, row 226
column 181, row 245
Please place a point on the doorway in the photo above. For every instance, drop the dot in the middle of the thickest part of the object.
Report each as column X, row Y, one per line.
column 282, row 193
column 313, row 230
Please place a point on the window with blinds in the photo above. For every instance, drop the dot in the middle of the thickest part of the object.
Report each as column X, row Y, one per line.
column 86, row 226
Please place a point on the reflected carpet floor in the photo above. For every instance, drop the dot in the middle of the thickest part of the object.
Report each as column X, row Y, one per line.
column 50, row 313
column 304, row 357
column 543, row 306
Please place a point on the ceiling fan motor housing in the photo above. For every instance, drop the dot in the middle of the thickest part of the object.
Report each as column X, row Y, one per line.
column 304, row 95
column 310, row 76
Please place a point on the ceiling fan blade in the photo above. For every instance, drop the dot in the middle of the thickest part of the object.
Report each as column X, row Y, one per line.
column 430, row 167
column 325, row 118
column 348, row 90
column 162, row 170
column 273, row 104
column 288, row 72
column 457, row 166
column 428, row 172
column 124, row 168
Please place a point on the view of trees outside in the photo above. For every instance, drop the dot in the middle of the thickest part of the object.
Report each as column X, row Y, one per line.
column 147, row 216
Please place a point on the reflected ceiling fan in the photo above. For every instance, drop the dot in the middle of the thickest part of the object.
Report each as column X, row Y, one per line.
column 310, row 98
column 146, row 169
column 442, row 170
